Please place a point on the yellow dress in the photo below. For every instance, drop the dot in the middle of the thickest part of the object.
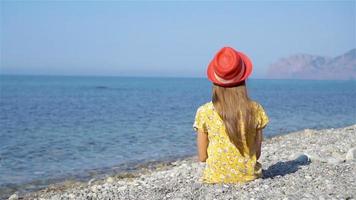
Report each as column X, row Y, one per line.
column 225, row 164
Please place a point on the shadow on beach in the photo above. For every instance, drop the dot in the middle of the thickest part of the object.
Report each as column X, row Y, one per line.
column 284, row 168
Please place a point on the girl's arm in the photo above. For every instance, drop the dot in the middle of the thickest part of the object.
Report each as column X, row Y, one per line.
column 202, row 145
column 259, row 138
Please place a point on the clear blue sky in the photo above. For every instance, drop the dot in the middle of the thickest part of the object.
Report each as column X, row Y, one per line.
column 165, row 38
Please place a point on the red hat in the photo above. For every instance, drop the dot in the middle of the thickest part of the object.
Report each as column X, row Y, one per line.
column 229, row 67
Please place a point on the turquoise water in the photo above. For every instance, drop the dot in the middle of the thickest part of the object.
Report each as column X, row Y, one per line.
column 54, row 127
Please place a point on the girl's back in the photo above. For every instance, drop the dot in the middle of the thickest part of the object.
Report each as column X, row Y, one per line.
column 225, row 164
column 229, row 128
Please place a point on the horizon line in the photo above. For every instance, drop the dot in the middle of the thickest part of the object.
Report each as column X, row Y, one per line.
column 155, row 76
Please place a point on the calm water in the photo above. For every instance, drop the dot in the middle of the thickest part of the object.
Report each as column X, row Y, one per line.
column 53, row 127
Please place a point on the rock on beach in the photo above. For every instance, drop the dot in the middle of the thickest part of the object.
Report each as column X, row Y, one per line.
column 310, row 164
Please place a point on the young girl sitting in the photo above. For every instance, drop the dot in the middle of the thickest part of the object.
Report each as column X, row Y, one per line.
column 229, row 128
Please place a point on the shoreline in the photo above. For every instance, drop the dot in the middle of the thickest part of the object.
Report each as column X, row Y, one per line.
column 124, row 170
column 282, row 156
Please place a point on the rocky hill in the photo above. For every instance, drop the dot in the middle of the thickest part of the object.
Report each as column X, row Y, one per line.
column 303, row 66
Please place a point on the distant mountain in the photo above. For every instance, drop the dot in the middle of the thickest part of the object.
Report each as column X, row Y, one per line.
column 303, row 66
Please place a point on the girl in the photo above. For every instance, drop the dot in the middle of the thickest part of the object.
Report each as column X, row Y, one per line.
column 229, row 128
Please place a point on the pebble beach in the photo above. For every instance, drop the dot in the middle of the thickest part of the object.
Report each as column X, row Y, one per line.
column 308, row 164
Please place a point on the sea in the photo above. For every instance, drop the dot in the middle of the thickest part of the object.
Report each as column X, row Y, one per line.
column 55, row 128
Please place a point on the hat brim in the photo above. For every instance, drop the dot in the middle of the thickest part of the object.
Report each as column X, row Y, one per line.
column 248, row 64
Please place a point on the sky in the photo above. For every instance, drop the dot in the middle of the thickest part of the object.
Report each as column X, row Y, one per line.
column 165, row 38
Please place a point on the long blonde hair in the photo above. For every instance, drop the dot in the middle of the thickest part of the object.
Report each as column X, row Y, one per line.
column 236, row 110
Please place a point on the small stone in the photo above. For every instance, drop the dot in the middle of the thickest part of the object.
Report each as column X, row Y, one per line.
column 91, row 181
column 351, row 154
column 94, row 188
column 303, row 159
column 334, row 161
column 329, row 186
column 14, row 197
column 308, row 132
column 109, row 180
column 300, row 158
column 308, row 177
column 321, row 198
column 122, row 188
column 309, row 196
column 315, row 158
column 196, row 186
